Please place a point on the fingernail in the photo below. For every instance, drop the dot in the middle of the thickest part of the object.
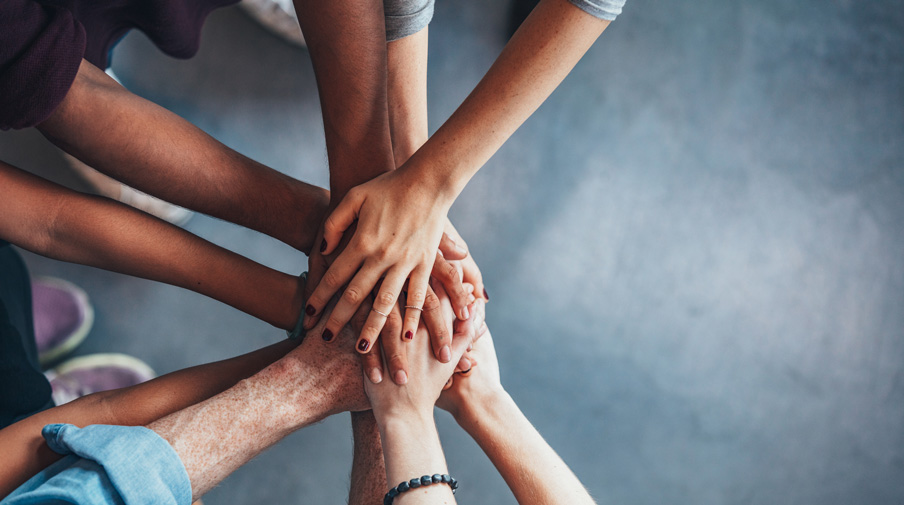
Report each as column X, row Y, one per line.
column 464, row 313
column 485, row 295
column 445, row 354
column 376, row 376
column 467, row 362
column 322, row 245
column 460, row 250
column 409, row 335
column 327, row 335
column 471, row 299
column 470, row 347
column 401, row 377
column 363, row 344
column 310, row 310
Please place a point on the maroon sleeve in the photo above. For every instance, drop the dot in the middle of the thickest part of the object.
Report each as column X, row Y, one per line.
column 40, row 51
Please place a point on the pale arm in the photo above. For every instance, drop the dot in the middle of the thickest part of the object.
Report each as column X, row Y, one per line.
column 530, row 467
column 535, row 61
column 25, row 453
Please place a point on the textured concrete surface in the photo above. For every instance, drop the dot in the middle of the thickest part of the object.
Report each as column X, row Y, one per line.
column 694, row 248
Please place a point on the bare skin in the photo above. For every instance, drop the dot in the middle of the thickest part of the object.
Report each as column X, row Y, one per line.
column 313, row 381
column 153, row 150
column 25, row 452
column 351, row 69
column 59, row 223
column 399, row 216
column 530, row 467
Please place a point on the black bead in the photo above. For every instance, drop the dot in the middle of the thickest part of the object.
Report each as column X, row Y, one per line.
column 454, row 484
column 437, row 478
column 387, row 500
column 446, row 478
column 426, row 480
column 414, row 483
column 393, row 493
column 403, row 487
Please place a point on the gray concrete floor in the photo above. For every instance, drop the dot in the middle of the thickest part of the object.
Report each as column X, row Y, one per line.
column 694, row 248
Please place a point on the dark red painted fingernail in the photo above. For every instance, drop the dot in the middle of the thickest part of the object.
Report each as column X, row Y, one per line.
column 485, row 295
column 327, row 335
column 363, row 344
column 409, row 335
column 322, row 245
column 310, row 310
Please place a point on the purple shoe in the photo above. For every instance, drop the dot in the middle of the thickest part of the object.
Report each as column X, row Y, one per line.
column 94, row 373
column 63, row 317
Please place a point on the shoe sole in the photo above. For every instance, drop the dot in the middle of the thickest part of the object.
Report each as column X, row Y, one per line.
column 78, row 336
column 106, row 360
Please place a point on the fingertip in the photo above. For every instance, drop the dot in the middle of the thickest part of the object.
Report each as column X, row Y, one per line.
column 445, row 354
column 363, row 346
column 401, row 378
column 375, row 375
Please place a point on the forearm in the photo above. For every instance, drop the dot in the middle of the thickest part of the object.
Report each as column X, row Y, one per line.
column 411, row 449
column 26, row 452
column 534, row 62
column 350, row 66
column 62, row 224
column 368, row 479
column 407, row 94
column 149, row 148
column 217, row 436
column 530, row 467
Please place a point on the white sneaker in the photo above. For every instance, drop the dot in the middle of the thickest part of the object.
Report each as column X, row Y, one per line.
column 277, row 16
column 111, row 188
column 94, row 373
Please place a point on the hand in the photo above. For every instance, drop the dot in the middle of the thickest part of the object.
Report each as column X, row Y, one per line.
column 427, row 376
column 398, row 233
column 474, row 389
column 339, row 366
column 470, row 272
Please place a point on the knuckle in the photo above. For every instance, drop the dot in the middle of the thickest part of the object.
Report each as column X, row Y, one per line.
column 386, row 299
column 352, row 295
column 334, row 322
column 332, row 280
column 392, row 327
column 371, row 329
column 431, row 303
column 396, row 361
column 416, row 298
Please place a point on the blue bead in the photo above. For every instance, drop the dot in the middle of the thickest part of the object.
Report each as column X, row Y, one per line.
column 387, row 500
column 437, row 478
column 446, row 478
column 426, row 480
column 393, row 493
column 414, row 483
column 403, row 487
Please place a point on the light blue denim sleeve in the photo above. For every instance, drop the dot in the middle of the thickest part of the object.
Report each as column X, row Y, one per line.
column 603, row 9
column 107, row 464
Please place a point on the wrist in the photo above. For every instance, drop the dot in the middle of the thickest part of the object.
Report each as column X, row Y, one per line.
column 480, row 407
column 312, row 205
column 397, row 418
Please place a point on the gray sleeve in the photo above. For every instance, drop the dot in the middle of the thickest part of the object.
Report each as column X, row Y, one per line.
column 406, row 17
column 603, row 9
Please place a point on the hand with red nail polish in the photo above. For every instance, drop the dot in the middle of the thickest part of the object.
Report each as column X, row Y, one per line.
column 423, row 382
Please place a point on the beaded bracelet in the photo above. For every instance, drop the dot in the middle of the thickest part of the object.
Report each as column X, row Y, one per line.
column 426, row 480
